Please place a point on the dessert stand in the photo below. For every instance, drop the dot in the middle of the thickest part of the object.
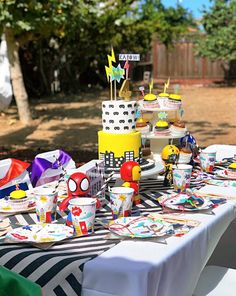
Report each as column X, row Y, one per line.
column 157, row 142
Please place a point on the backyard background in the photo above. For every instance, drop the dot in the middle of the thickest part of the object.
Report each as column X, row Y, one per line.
column 72, row 122
column 59, row 80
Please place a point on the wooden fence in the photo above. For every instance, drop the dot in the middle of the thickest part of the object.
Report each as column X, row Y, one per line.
column 181, row 64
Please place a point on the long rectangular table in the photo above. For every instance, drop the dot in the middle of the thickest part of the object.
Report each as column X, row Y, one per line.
column 147, row 268
column 95, row 265
column 59, row 270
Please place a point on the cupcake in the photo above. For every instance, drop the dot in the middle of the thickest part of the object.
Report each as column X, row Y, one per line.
column 178, row 129
column 231, row 171
column 163, row 99
column 142, row 125
column 174, row 101
column 161, row 128
column 18, row 200
column 185, row 155
column 150, row 101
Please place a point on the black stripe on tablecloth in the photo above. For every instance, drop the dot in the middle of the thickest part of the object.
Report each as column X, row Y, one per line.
column 47, row 276
column 76, row 251
column 60, row 292
column 71, row 279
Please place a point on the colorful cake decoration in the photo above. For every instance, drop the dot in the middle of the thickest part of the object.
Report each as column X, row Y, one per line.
column 113, row 73
column 166, row 85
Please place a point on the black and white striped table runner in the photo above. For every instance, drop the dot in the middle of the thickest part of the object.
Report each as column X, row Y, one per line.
column 58, row 270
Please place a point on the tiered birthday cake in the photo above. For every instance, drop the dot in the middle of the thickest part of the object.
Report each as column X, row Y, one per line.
column 119, row 142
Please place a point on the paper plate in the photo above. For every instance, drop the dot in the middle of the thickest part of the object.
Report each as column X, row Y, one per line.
column 139, row 227
column 222, row 174
column 40, row 233
column 178, row 202
column 222, row 183
column 6, row 207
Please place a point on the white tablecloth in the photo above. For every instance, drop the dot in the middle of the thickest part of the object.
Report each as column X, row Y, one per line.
column 134, row 268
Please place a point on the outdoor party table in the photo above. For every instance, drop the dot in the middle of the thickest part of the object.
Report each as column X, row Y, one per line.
column 129, row 267
column 59, row 268
column 149, row 268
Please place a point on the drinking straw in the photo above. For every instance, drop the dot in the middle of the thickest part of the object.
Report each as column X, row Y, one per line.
column 62, row 175
column 110, row 176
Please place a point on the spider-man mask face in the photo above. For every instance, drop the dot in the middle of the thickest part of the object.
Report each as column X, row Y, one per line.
column 78, row 184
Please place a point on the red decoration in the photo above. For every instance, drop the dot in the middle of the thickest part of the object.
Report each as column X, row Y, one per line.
column 78, row 185
column 130, row 172
column 76, row 211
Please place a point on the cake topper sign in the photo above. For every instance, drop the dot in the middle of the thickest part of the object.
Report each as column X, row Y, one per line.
column 166, row 85
column 129, row 57
column 113, row 73
column 151, row 86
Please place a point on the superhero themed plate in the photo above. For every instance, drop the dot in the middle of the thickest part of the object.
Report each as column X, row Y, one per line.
column 140, row 227
column 225, row 175
column 222, row 183
column 40, row 233
column 10, row 207
column 185, row 202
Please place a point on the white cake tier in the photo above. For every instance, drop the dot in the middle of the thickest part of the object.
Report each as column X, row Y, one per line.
column 118, row 117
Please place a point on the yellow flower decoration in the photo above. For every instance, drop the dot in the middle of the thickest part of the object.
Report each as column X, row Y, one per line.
column 122, row 197
column 43, row 198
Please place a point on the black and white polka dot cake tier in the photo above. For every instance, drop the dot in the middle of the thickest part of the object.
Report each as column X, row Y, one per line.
column 118, row 117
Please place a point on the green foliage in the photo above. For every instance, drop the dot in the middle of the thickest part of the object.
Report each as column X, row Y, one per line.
column 167, row 23
column 41, row 18
column 219, row 40
column 74, row 36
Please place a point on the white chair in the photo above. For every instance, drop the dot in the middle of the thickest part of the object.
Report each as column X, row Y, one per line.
column 216, row 281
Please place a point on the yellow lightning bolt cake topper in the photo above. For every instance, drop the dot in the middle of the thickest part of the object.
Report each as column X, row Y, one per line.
column 151, row 86
column 167, row 85
column 110, row 60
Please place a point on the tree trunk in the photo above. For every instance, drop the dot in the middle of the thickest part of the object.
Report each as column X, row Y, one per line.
column 18, row 86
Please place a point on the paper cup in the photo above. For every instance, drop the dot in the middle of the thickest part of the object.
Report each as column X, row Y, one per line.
column 207, row 160
column 185, row 158
column 82, row 211
column 121, row 199
column 181, row 177
column 45, row 204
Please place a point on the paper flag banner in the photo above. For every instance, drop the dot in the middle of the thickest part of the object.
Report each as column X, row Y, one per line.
column 109, row 68
column 126, row 66
column 129, row 57
column 143, row 141
column 176, row 88
column 141, row 88
column 181, row 112
column 117, row 73
column 138, row 114
column 151, row 86
column 162, row 115
column 166, row 84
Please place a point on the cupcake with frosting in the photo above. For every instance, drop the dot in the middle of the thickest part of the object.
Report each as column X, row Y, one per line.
column 163, row 99
column 185, row 155
column 18, row 200
column 150, row 101
column 161, row 128
column 178, row 129
column 142, row 125
column 174, row 101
